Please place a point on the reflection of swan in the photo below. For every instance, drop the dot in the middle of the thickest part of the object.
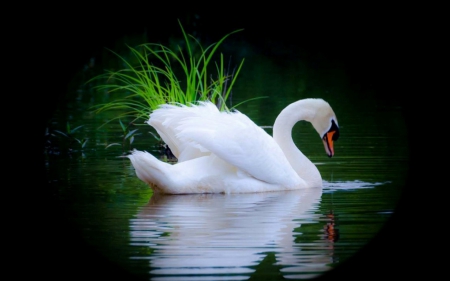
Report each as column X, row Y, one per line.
column 220, row 152
column 205, row 234
column 228, row 234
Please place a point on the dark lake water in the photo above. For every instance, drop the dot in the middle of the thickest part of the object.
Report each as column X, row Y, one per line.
column 110, row 220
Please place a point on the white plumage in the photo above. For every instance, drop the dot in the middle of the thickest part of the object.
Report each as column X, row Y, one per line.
column 226, row 152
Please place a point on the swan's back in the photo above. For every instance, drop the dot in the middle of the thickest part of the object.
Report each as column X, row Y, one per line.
column 197, row 130
column 167, row 119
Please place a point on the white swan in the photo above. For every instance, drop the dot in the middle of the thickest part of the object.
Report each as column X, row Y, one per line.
column 226, row 152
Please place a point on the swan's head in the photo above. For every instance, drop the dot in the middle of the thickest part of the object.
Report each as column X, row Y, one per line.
column 326, row 124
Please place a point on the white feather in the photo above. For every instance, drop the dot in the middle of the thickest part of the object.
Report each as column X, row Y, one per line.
column 227, row 152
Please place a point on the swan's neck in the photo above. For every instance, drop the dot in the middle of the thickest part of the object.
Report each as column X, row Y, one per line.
column 282, row 134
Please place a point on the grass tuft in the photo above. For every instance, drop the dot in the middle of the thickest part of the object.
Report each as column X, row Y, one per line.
column 154, row 78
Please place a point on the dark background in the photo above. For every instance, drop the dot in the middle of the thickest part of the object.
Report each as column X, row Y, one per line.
column 371, row 41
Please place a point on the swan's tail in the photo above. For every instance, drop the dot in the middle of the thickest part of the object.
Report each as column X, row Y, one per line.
column 149, row 169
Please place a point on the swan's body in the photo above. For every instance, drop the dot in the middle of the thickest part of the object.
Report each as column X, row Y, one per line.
column 223, row 152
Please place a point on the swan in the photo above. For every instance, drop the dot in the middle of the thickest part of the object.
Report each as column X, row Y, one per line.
column 226, row 152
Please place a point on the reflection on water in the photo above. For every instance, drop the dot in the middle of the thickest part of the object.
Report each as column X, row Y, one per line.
column 348, row 185
column 230, row 234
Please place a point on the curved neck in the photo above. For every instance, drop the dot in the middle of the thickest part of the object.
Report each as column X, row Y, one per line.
column 282, row 134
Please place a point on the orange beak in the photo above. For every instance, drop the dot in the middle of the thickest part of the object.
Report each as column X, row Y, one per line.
column 328, row 143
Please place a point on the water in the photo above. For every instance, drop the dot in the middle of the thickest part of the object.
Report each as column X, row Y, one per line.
column 108, row 221
column 209, row 235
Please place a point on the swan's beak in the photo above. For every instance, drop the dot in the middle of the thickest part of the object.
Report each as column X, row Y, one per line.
column 328, row 143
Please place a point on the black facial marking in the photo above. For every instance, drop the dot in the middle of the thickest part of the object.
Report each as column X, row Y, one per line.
column 335, row 128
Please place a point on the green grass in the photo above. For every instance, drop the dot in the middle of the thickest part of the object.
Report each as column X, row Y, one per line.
column 128, row 134
column 161, row 75
column 70, row 135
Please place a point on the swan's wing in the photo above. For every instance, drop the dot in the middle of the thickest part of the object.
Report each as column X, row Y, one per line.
column 237, row 140
column 166, row 119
